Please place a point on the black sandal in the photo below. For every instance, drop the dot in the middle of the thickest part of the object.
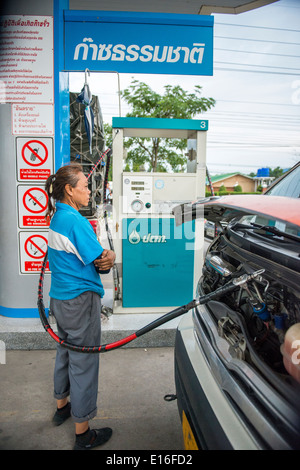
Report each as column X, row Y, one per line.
column 92, row 438
column 62, row 414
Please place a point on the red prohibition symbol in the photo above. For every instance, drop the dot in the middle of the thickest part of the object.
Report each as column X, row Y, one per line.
column 35, row 195
column 32, row 150
column 36, row 250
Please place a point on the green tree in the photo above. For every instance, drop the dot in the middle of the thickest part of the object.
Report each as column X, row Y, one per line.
column 238, row 188
column 222, row 189
column 157, row 154
column 276, row 172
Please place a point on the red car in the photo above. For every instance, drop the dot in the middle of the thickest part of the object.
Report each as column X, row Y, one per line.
column 237, row 358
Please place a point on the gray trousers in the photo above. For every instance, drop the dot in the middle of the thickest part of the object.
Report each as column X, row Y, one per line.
column 75, row 373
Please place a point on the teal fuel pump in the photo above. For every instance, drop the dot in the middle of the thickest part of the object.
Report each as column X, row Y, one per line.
column 158, row 262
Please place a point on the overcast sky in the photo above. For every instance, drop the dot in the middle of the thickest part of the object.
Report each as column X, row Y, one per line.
column 256, row 84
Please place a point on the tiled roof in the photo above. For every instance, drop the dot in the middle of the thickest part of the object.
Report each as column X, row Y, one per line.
column 216, row 178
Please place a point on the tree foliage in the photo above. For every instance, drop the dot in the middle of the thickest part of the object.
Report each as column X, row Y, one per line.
column 276, row 172
column 157, row 154
column 238, row 188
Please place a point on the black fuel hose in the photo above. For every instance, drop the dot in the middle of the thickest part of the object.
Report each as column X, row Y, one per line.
column 105, row 347
column 231, row 285
column 159, row 321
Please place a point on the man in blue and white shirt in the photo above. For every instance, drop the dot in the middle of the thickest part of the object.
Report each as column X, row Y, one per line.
column 76, row 289
column 72, row 249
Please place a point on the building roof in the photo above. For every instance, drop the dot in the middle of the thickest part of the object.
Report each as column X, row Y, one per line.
column 194, row 7
column 216, row 178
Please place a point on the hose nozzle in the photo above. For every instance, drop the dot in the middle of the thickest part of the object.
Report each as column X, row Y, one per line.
column 239, row 281
column 231, row 285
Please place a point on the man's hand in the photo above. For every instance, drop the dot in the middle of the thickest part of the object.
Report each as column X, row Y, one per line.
column 107, row 260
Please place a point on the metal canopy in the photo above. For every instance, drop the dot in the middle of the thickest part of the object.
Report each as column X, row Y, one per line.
column 191, row 7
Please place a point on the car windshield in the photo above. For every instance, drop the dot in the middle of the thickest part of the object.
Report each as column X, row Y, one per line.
column 288, row 186
column 269, row 226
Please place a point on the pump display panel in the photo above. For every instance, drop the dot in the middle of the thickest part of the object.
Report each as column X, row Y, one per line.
column 137, row 194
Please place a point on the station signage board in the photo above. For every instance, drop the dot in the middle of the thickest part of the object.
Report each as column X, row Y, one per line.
column 34, row 166
column 139, row 42
column 26, row 61
column 32, row 119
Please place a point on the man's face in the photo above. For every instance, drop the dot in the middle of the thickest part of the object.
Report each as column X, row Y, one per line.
column 81, row 192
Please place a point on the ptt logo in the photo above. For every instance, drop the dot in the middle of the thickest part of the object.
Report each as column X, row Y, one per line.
column 135, row 238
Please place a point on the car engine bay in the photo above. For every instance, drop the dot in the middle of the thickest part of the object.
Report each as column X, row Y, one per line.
column 255, row 318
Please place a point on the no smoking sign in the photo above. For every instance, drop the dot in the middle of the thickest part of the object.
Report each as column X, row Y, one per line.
column 34, row 158
column 32, row 205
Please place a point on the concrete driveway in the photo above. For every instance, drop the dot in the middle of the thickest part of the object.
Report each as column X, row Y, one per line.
column 132, row 386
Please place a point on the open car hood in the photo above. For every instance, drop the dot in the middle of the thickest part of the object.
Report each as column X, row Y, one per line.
column 225, row 208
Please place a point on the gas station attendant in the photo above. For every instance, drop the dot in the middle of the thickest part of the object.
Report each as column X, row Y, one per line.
column 75, row 301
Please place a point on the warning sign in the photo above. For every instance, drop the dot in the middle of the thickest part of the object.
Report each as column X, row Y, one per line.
column 26, row 72
column 33, row 248
column 32, row 205
column 34, row 158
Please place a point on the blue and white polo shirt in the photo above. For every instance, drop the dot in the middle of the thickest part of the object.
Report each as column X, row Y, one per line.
column 72, row 248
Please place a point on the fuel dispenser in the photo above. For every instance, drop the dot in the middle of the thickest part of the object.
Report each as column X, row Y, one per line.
column 159, row 263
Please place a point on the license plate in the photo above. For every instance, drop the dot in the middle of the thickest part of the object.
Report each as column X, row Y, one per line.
column 188, row 436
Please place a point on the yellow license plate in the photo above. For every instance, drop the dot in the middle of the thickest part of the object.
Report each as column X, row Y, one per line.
column 188, row 436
